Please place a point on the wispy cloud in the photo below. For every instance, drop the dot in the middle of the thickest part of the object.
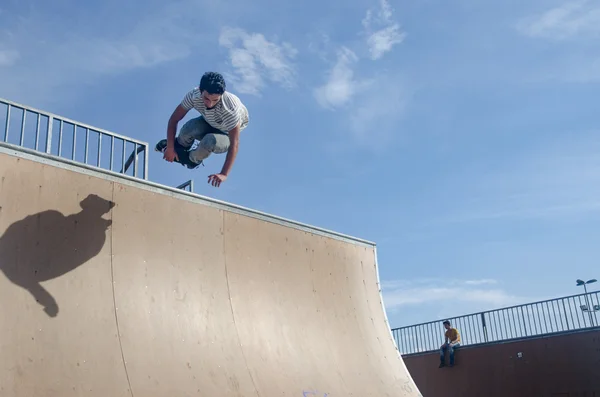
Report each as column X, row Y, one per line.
column 420, row 282
column 347, row 88
column 572, row 18
column 481, row 281
column 255, row 60
column 55, row 56
column 573, row 67
column 8, row 57
column 319, row 44
column 559, row 180
column 444, row 292
column 574, row 29
column 341, row 82
column 383, row 110
column 381, row 30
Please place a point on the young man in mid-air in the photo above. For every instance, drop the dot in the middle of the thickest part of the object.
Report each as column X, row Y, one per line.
column 222, row 117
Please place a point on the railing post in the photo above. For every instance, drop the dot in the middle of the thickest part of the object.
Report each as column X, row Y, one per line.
column 7, row 125
column 146, row 161
column 23, row 119
column 188, row 183
column 135, row 160
column 485, row 333
column 524, row 324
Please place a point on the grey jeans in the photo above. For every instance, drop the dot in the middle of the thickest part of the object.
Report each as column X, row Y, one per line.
column 211, row 139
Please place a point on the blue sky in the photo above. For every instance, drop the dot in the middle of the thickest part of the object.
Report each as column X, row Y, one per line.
column 457, row 134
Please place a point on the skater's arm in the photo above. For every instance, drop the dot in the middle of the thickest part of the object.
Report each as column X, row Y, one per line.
column 234, row 139
column 177, row 115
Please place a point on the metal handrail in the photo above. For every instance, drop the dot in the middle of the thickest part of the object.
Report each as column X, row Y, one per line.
column 133, row 158
column 189, row 184
column 47, row 123
column 558, row 315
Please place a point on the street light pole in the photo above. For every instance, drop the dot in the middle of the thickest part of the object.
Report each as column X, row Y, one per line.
column 589, row 309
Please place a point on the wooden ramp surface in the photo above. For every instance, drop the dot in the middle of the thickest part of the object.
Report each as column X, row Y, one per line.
column 112, row 287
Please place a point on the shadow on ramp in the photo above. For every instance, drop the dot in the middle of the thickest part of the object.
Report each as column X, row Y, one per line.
column 48, row 244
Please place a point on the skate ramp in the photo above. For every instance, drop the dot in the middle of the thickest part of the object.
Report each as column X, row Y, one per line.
column 116, row 287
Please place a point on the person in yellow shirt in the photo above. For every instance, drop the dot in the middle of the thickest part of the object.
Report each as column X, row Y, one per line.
column 451, row 342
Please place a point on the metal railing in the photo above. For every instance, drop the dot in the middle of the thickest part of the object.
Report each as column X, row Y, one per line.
column 576, row 312
column 76, row 141
column 188, row 184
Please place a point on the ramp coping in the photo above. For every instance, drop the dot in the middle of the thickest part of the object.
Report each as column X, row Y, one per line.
column 64, row 163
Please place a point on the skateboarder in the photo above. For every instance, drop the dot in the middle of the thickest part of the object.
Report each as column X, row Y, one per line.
column 451, row 342
column 222, row 117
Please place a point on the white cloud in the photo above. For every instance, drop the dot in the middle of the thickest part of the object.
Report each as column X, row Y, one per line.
column 8, row 57
column 372, row 107
column 114, row 57
column 256, row 59
column 383, row 33
column 373, row 103
column 573, row 18
column 576, row 25
column 580, row 67
column 341, row 84
column 56, row 59
column 375, row 117
column 555, row 181
column 442, row 292
column 481, row 281
column 319, row 44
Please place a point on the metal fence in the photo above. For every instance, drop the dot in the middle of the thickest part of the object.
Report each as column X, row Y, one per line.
column 62, row 137
column 188, row 184
column 558, row 315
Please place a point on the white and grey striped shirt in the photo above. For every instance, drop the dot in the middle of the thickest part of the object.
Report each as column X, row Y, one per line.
column 224, row 116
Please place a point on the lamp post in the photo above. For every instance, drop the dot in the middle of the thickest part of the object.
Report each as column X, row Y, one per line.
column 588, row 308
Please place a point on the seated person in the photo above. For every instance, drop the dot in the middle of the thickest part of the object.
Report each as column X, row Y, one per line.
column 451, row 342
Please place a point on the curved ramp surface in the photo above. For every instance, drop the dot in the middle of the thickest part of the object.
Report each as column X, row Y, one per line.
column 115, row 287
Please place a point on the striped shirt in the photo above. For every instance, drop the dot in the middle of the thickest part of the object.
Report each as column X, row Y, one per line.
column 224, row 116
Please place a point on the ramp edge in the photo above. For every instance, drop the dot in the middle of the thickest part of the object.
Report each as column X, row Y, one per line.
column 112, row 176
column 389, row 328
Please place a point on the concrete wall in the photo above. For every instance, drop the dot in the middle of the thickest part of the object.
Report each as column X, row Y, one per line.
column 558, row 366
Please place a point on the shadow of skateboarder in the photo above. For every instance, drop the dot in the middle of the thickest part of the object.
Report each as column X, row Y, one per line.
column 48, row 244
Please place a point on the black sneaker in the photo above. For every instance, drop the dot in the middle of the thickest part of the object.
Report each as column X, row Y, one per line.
column 161, row 146
column 182, row 153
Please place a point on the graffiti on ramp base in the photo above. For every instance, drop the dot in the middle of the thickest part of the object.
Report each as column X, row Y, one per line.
column 314, row 394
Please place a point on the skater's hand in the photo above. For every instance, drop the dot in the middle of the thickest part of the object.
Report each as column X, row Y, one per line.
column 170, row 154
column 216, row 179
